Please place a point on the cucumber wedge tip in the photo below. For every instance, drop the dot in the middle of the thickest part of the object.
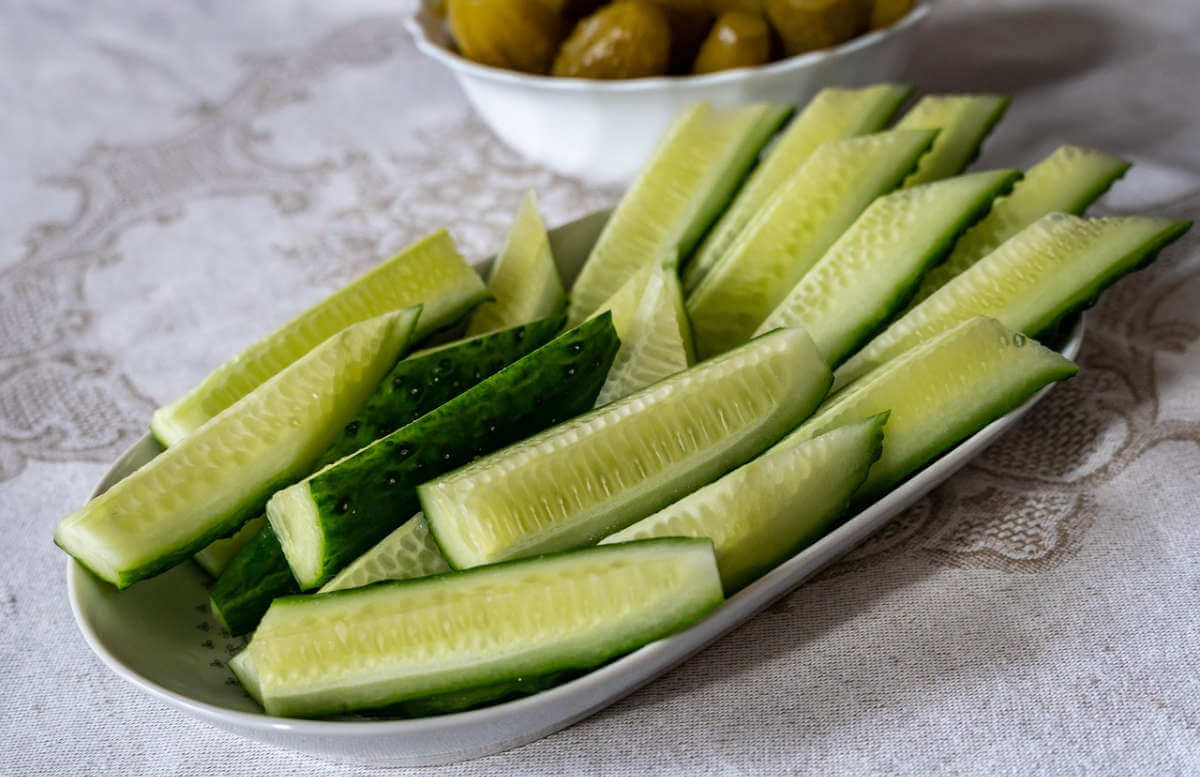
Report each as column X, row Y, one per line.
column 430, row 273
column 206, row 486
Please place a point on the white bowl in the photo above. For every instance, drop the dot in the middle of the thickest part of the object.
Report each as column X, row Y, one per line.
column 160, row 636
column 602, row 131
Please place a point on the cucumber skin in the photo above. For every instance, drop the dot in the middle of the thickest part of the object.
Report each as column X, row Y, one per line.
column 259, row 572
column 256, row 576
column 472, row 692
column 440, row 376
column 470, row 698
column 359, row 500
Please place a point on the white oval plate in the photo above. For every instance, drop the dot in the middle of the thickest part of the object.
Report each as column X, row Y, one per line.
column 160, row 636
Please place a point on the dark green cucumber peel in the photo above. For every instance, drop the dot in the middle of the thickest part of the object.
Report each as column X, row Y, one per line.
column 255, row 577
column 259, row 572
column 425, row 381
column 459, row 701
column 369, row 494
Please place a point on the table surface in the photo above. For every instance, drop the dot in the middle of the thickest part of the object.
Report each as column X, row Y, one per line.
column 178, row 178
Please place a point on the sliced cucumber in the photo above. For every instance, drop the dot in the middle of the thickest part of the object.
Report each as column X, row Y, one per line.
column 580, row 481
column 406, row 553
column 218, row 555
column 524, row 279
column 799, row 224
column 429, row 272
column 372, row 647
column 436, row 704
column 416, row 385
column 872, row 268
column 964, row 121
column 833, row 113
column 207, row 485
column 939, row 393
column 657, row 341
column 428, row 379
column 624, row 303
column 1067, row 181
column 1029, row 283
column 327, row 520
column 254, row 578
column 688, row 179
column 764, row 512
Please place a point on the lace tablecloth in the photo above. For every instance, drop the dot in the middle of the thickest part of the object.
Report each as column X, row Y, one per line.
column 179, row 177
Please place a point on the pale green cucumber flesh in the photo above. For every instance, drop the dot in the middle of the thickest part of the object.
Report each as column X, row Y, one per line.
column 940, row 393
column 578, row 482
column 657, row 341
column 218, row 555
column 416, row 385
column 800, row 223
column 964, row 121
column 623, row 304
column 874, row 266
column 243, row 668
column 524, row 279
column 1048, row 270
column 767, row 510
column 430, row 272
column 206, row 486
column 437, row 704
column 372, row 647
column 407, row 552
column 1067, row 181
column 681, row 189
column 832, row 113
column 329, row 519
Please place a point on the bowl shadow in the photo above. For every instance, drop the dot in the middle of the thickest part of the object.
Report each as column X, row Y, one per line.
column 1011, row 49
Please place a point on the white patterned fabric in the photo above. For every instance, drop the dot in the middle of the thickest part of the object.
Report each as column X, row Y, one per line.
column 177, row 178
